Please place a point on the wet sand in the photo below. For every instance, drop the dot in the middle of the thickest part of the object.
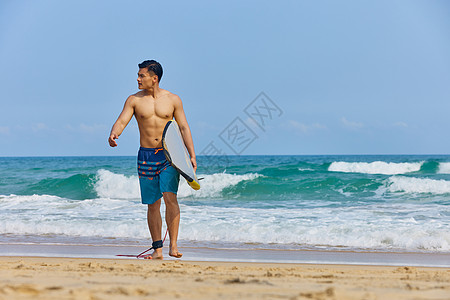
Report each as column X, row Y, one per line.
column 77, row 250
column 96, row 278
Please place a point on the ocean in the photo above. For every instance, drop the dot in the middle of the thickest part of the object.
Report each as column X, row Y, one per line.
column 387, row 203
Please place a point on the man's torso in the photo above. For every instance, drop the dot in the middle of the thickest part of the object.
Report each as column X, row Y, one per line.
column 152, row 115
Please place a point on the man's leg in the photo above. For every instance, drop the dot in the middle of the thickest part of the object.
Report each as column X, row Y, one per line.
column 173, row 222
column 154, row 225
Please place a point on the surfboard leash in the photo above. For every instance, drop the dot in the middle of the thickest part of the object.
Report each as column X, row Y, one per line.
column 141, row 255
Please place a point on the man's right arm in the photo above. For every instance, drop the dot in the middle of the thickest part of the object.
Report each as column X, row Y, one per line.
column 122, row 121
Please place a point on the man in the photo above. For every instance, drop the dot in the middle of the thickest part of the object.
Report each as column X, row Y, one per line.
column 153, row 107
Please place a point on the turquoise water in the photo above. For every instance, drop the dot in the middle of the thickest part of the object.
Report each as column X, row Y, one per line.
column 376, row 203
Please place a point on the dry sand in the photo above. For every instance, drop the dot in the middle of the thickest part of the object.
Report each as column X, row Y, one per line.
column 75, row 278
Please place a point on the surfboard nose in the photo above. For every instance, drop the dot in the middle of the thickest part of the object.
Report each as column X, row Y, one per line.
column 195, row 185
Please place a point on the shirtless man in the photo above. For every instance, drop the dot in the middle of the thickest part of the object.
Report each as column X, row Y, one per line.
column 153, row 107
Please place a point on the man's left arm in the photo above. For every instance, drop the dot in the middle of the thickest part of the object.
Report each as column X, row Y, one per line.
column 180, row 117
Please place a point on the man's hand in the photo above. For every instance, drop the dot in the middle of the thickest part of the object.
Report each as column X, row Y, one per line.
column 112, row 139
column 194, row 163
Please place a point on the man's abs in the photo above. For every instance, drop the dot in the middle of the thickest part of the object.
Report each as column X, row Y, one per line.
column 151, row 132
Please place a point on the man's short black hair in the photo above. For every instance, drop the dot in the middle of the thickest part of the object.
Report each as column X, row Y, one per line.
column 154, row 66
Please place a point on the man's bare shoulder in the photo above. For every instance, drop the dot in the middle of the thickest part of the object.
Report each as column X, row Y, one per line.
column 172, row 97
column 131, row 100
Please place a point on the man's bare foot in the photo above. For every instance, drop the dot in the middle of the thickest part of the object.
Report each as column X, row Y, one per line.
column 174, row 252
column 155, row 255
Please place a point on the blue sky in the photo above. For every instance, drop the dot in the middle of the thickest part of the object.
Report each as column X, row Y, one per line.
column 349, row 77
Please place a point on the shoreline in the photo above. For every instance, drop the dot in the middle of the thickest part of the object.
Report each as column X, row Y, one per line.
column 318, row 257
column 83, row 278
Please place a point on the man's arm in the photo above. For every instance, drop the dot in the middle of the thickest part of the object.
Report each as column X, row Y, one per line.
column 180, row 117
column 122, row 121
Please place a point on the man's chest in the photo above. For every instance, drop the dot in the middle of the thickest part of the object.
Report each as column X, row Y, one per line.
column 150, row 109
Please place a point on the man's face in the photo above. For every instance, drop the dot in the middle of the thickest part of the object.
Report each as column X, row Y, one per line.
column 146, row 80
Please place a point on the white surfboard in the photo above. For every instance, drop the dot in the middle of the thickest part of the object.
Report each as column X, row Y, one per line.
column 177, row 154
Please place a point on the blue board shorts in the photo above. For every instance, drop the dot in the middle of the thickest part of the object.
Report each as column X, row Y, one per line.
column 156, row 175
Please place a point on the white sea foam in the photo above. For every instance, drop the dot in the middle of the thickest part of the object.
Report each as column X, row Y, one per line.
column 444, row 168
column 46, row 214
column 378, row 226
column 118, row 186
column 213, row 185
column 418, row 185
column 362, row 227
column 376, row 167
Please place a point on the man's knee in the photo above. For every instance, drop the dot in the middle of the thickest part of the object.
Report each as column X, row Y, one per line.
column 155, row 206
column 169, row 195
column 170, row 198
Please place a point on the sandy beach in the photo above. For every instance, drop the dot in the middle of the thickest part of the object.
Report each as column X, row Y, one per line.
column 81, row 278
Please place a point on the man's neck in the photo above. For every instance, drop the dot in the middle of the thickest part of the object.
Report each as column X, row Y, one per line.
column 154, row 92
